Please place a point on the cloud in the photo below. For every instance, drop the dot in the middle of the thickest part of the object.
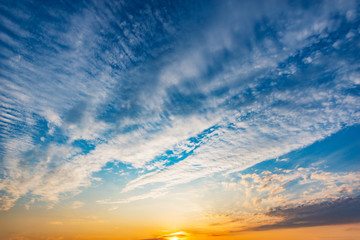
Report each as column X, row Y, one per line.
column 77, row 204
column 339, row 211
column 145, row 88
column 343, row 210
column 283, row 198
column 235, row 148
column 153, row 194
column 295, row 187
column 179, row 235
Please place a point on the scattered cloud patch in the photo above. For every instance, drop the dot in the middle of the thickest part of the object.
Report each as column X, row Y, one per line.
column 177, row 92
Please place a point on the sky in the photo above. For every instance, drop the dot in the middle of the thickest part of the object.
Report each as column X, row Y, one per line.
column 175, row 120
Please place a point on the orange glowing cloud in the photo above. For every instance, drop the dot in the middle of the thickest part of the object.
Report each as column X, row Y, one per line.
column 175, row 236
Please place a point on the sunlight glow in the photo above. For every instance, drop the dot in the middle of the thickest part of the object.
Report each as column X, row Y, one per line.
column 176, row 236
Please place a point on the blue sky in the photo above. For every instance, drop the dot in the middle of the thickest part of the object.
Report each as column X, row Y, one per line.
column 256, row 100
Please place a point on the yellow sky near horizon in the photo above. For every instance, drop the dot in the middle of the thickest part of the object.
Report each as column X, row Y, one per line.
column 94, row 228
column 165, row 218
column 335, row 232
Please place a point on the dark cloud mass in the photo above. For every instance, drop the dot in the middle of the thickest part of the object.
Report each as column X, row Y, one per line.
column 339, row 211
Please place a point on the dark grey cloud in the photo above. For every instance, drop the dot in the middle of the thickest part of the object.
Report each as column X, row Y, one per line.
column 340, row 211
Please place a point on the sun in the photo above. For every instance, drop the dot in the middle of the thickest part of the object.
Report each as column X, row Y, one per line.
column 173, row 238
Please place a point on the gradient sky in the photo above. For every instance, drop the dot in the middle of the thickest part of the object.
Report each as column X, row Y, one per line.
column 171, row 120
